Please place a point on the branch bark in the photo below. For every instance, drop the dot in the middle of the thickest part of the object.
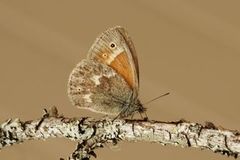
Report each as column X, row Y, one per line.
column 91, row 134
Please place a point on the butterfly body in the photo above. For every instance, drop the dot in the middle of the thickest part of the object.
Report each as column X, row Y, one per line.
column 107, row 80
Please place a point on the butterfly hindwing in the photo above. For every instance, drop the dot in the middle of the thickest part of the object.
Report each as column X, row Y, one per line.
column 97, row 87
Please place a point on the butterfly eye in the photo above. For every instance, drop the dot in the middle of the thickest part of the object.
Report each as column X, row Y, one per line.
column 112, row 45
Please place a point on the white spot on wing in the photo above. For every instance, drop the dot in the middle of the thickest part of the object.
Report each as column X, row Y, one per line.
column 110, row 74
column 87, row 98
column 95, row 79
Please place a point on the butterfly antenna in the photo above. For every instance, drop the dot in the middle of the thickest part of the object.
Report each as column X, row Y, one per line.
column 157, row 98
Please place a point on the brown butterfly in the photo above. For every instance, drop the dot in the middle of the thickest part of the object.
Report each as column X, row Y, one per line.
column 107, row 81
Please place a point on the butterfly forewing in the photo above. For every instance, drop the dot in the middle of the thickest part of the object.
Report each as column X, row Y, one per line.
column 115, row 49
column 97, row 87
column 131, row 47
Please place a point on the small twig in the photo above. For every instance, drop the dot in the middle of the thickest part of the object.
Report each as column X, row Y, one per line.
column 92, row 134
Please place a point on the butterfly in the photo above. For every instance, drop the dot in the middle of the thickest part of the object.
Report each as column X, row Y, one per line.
column 107, row 81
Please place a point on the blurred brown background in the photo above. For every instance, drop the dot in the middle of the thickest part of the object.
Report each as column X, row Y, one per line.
column 189, row 48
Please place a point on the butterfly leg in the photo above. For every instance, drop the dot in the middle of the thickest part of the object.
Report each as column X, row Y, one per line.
column 145, row 117
column 116, row 117
column 123, row 112
column 120, row 114
column 132, row 116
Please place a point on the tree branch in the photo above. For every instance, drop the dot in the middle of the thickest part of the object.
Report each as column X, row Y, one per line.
column 91, row 134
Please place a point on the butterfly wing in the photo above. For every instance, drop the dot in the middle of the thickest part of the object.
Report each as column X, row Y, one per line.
column 115, row 48
column 131, row 47
column 97, row 87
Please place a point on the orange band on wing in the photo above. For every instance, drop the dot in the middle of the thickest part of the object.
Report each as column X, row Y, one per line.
column 122, row 67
